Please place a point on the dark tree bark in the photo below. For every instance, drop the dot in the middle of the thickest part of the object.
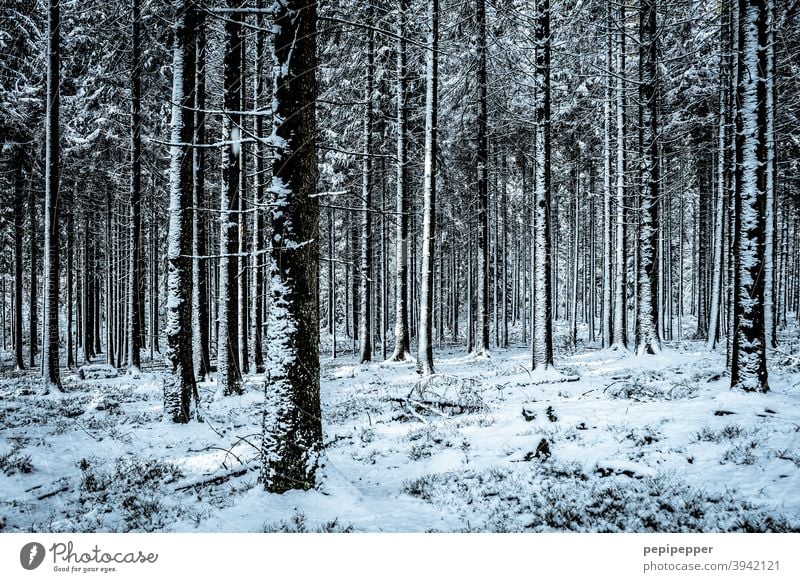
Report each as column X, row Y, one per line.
column 401, row 325
column 50, row 364
column 33, row 307
column 70, row 277
column 259, row 240
column 19, row 228
column 482, row 338
column 179, row 379
column 543, row 293
column 229, row 372
column 243, row 218
column 292, row 418
column 425, row 342
column 749, row 361
column 136, row 267
column 110, row 293
column 200, row 271
column 365, row 351
column 647, row 329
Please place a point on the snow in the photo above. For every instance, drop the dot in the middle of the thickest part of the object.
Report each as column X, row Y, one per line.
column 657, row 443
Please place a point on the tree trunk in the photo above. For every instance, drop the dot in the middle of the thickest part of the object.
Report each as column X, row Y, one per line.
column 482, row 159
column 50, row 364
column 260, row 153
column 365, row 352
column 201, row 348
column 243, row 218
column 135, row 271
column 292, row 417
column 229, row 374
column 607, row 323
column 70, row 279
column 770, row 311
column 647, row 328
column 179, row 379
column 620, row 322
column 749, row 361
column 401, row 331
column 543, row 295
column 19, row 229
column 425, row 344
column 720, row 207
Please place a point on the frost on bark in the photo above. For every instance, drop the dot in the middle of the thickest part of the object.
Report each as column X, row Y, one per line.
column 229, row 374
column 401, row 338
column 647, row 332
column 749, row 359
column 50, row 363
column 260, row 152
column 620, row 320
column 606, row 308
column 179, row 379
column 292, row 431
column 425, row 340
column 770, row 300
column 542, row 302
column 200, row 280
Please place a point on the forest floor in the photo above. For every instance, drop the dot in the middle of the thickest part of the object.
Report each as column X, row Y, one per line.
column 610, row 442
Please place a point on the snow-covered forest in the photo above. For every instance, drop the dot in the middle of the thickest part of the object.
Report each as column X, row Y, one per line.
column 422, row 265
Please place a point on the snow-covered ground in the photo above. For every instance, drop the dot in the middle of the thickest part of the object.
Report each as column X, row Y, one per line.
column 612, row 442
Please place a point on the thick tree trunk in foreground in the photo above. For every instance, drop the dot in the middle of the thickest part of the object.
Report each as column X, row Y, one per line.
column 749, row 361
column 292, row 432
column 543, row 296
column 647, row 328
column 179, row 379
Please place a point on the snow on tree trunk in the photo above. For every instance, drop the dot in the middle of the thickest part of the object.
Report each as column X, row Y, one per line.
column 401, row 334
column 179, row 379
column 50, row 363
column 647, row 329
column 229, row 374
column 720, row 207
column 608, row 257
column 749, row 360
column 770, row 312
column 620, row 323
column 292, row 431
column 425, row 340
column 259, row 241
column 482, row 338
column 365, row 291
column 200, row 269
column 543, row 297
column 243, row 218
